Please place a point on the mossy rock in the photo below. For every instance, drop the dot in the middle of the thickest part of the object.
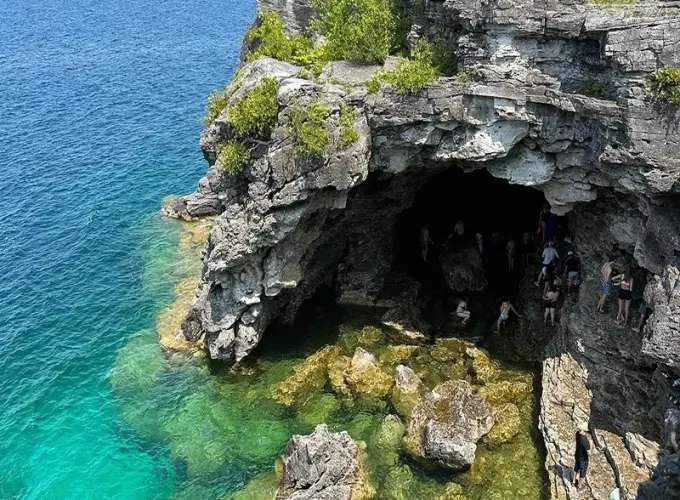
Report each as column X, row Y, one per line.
column 309, row 375
column 452, row 491
column 169, row 321
column 507, row 426
column 480, row 365
column 387, row 441
column 262, row 487
column 336, row 375
column 504, row 391
column 366, row 377
column 363, row 488
column 317, row 408
column 396, row 485
column 351, row 337
column 369, row 336
column 407, row 391
column 396, row 354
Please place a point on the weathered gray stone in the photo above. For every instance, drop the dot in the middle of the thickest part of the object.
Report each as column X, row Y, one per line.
column 321, row 466
column 663, row 326
column 463, row 267
column 405, row 324
column 446, row 425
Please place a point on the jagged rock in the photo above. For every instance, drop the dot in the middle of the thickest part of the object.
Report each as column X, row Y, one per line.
column 323, row 465
column 482, row 367
column 665, row 484
column 463, row 267
column 505, row 391
column 406, row 392
column 446, row 425
column 405, row 324
column 663, row 326
column 366, row 377
column 644, row 452
column 388, row 440
column 395, row 354
column 671, row 428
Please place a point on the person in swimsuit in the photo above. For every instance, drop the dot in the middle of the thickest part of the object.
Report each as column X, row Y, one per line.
column 571, row 266
column 527, row 247
column 542, row 220
column 425, row 242
column 625, row 296
column 606, row 284
column 550, row 299
column 553, row 280
column 581, row 459
column 506, row 307
column 510, row 247
column 462, row 311
column 459, row 228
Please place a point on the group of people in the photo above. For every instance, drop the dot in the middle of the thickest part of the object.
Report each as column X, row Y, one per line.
column 553, row 280
column 624, row 281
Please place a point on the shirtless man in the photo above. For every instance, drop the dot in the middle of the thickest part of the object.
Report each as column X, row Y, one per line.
column 510, row 247
column 425, row 241
column 506, row 307
column 606, row 285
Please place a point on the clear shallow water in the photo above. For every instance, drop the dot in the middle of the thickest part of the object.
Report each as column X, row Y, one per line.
column 99, row 103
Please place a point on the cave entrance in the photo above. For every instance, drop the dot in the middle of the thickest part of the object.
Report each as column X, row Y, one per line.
column 494, row 207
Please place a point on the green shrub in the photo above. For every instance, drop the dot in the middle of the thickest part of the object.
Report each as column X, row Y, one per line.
column 361, row 31
column 468, row 76
column 348, row 118
column 373, row 84
column 306, row 128
column 443, row 57
column 665, row 84
column 411, row 75
column 233, row 157
column 593, row 88
column 275, row 42
column 255, row 114
column 217, row 101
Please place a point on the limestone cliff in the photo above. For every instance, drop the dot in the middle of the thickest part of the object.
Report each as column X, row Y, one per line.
column 290, row 223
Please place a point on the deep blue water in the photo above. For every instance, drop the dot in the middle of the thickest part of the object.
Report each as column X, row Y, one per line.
column 99, row 102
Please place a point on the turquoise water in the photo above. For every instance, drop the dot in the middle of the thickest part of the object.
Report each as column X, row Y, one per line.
column 98, row 122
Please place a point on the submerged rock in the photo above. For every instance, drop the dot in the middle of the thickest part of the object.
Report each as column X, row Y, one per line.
column 405, row 324
column 366, row 377
column 506, row 426
column 463, row 267
column 407, row 391
column 323, row 466
column 311, row 374
column 446, row 425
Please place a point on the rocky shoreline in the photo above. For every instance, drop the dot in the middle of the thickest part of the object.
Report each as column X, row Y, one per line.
column 289, row 224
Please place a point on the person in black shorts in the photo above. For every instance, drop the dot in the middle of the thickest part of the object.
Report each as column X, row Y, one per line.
column 581, row 459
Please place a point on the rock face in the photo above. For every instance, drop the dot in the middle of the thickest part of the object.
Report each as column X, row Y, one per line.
column 446, row 425
column 463, row 267
column 322, row 466
column 289, row 224
column 405, row 324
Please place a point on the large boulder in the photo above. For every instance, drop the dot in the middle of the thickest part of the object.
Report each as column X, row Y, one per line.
column 323, row 466
column 405, row 324
column 463, row 267
column 366, row 377
column 407, row 391
column 446, row 425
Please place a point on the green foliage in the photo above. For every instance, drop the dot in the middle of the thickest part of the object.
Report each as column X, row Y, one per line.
column 255, row 114
column 275, row 42
column 217, row 101
column 233, row 157
column 348, row 117
column 306, row 127
column 411, row 75
column 468, row 76
column 593, row 88
column 373, row 85
column 361, row 31
column 443, row 58
column 665, row 84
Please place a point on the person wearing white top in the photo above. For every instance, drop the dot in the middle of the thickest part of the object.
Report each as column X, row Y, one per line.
column 549, row 255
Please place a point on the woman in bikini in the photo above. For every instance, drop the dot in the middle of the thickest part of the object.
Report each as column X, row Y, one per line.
column 425, row 242
column 625, row 296
column 550, row 304
column 506, row 307
column 462, row 311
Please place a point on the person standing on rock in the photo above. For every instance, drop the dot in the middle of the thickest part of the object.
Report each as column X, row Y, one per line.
column 506, row 307
column 510, row 247
column 581, row 459
column 425, row 242
column 549, row 255
column 643, row 312
column 527, row 247
column 542, row 220
column 571, row 272
column 625, row 296
column 606, row 285
column 550, row 303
